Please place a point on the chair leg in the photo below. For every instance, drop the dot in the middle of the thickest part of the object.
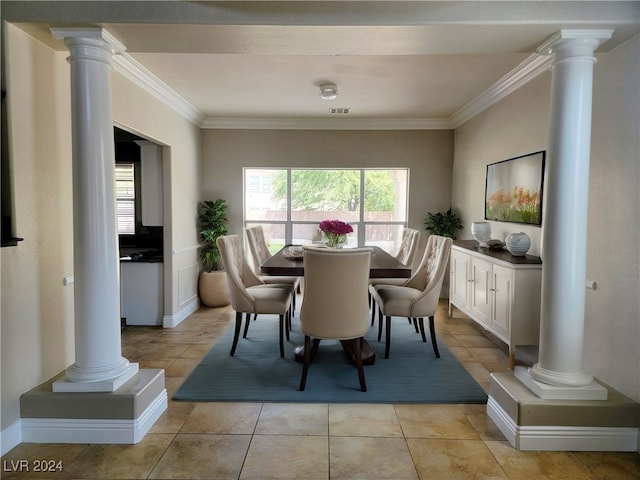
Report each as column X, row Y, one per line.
column 314, row 348
column 388, row 334
column 358, row 352
column 424, row 337
column 432, row 329
column 236, row 333
column 282, row 327
column 246, row 324
column 415, row 325
column 380, row 317
column 287, row 323
column 305, row 365
column 372, row 305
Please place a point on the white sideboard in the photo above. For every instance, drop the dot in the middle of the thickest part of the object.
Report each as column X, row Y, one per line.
column 499, row 291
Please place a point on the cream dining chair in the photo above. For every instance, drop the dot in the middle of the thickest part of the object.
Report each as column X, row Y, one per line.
column 334, row 305
column 418, row 297
column 406, row 254
column 249, row 294
column 260, row 253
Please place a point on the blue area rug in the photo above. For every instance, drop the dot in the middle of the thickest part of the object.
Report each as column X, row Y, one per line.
column 256, row 373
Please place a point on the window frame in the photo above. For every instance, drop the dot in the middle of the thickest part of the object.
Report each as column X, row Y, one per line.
column 136, row 189
column 360, row 225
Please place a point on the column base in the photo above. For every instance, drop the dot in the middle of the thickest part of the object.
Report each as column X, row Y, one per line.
column 531, row 423
column 120, row 417
column 110, row 385
column 592, row 391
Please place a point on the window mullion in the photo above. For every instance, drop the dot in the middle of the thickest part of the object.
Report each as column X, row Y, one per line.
column 362, row 227
column 288, row 229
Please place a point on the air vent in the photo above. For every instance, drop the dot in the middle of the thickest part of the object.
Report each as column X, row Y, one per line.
column 338, row 111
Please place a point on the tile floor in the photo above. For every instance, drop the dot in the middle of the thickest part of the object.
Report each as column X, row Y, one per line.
column 315, row 441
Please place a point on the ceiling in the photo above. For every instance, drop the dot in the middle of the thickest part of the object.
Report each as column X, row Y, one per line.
column 403, row 63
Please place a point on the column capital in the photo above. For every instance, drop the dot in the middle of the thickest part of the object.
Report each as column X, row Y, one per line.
column 586, row 40
column 92, row 36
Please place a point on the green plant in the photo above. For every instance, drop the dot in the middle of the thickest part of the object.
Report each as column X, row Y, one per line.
column 212, row 218
column 444, row 224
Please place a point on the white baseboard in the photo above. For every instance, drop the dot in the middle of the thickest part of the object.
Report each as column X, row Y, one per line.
column 562, row 438
column 97, row 431
column 170, row 321
column 11, row 437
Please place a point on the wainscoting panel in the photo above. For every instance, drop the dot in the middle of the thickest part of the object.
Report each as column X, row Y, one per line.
column 187, row 284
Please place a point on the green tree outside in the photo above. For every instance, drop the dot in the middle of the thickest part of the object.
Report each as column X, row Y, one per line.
column 336, row 190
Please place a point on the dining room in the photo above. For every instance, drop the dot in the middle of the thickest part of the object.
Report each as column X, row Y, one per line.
column 203, row 160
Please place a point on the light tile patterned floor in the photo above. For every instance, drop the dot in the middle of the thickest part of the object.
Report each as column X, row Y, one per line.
column 316, row 441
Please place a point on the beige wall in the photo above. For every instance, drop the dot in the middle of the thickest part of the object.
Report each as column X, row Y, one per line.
column 428, row 154
column 612, row 340
column 515, row 126
column 37, row 310
column 138, row 112
column 518, row 125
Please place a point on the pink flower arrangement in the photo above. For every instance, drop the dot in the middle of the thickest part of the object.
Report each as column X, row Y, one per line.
column 336, row 231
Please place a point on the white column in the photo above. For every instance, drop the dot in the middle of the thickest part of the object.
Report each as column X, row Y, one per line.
column 99, row 365
column 566, row 198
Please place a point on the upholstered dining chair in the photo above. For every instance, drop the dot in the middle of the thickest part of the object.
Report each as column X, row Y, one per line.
column 406, row 254
column 260, row 253
column 249, row 294
column 418, row 297
column 334, row 305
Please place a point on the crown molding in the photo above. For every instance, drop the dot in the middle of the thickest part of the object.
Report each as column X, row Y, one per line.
column 327, row 123
column 146, row 80
column 526, row 71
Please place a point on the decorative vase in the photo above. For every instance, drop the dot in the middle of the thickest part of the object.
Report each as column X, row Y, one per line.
column 335, row 241
column 481, row 231
column 518, row 244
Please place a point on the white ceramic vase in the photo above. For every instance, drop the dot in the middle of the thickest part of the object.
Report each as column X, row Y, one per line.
column 518, row 244
column 481, row 231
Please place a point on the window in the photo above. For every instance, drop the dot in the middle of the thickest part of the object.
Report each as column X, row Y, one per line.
column 254, row 183
column 126, row 198
column 373, row 201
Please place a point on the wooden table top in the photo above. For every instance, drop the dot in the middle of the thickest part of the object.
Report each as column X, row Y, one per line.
column 383, row 265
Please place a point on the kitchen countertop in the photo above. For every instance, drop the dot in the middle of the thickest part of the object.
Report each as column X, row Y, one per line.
column 144, row 255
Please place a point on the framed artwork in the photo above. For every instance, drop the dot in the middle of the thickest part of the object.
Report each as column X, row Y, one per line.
column 513, row 189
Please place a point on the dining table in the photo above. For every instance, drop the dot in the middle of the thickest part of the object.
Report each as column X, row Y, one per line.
column 383, row 265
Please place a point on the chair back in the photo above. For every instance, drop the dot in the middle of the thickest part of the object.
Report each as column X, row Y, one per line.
column 257, row 246
column 409, row 245
column 239, row 274
column 335, row 303
column 429, row 275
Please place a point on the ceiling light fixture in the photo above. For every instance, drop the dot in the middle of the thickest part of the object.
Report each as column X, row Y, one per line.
column 328, row 91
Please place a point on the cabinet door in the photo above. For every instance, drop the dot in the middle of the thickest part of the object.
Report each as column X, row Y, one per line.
column 480, row 290
column 151, row 184
column 459, row 264
column 502, row 301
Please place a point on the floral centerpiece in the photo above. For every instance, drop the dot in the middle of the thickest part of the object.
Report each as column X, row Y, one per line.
column 336, row 232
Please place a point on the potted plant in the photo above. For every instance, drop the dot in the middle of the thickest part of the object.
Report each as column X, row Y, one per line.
column 444, row 224
column 212, row 285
